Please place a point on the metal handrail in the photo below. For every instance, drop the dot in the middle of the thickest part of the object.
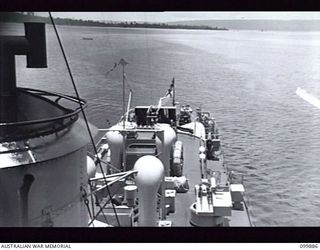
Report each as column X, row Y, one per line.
column 82, row 102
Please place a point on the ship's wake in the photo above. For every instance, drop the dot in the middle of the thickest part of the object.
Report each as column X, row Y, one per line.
column 308, row 97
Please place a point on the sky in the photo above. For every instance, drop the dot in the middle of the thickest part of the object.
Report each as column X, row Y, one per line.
column 184, row 16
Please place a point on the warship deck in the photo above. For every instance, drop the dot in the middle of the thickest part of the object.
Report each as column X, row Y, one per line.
column 191, row 171
column 183, row 201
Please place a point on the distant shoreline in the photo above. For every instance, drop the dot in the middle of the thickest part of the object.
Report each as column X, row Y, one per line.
column 215, row 25
column 20, row 18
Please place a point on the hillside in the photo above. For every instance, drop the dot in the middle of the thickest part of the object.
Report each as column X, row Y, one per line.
column 289, row 25
column 19, row 18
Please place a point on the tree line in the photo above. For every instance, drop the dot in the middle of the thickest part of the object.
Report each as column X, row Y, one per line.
column 30, row 17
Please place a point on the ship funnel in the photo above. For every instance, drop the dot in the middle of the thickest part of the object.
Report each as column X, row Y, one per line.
column 33, row 45
column 43, row 144
column 150, row 172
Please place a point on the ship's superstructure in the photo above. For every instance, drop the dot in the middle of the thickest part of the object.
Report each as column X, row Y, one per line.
column 153, row 168
column 188, row 146
column 42, row 152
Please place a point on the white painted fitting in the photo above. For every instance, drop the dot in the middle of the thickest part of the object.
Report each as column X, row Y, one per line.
column 150, row 173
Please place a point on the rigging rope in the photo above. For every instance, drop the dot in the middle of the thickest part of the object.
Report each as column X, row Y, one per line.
column 125, row 76
column 109, row 71
column 82, row 111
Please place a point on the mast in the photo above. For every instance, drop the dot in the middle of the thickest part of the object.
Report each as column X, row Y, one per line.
column 174, row 93
column 123, row 63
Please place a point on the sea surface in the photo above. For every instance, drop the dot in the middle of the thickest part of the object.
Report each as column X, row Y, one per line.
column 247, row 79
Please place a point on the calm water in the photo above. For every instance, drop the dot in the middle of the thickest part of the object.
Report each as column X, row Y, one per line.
column 247, row 79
